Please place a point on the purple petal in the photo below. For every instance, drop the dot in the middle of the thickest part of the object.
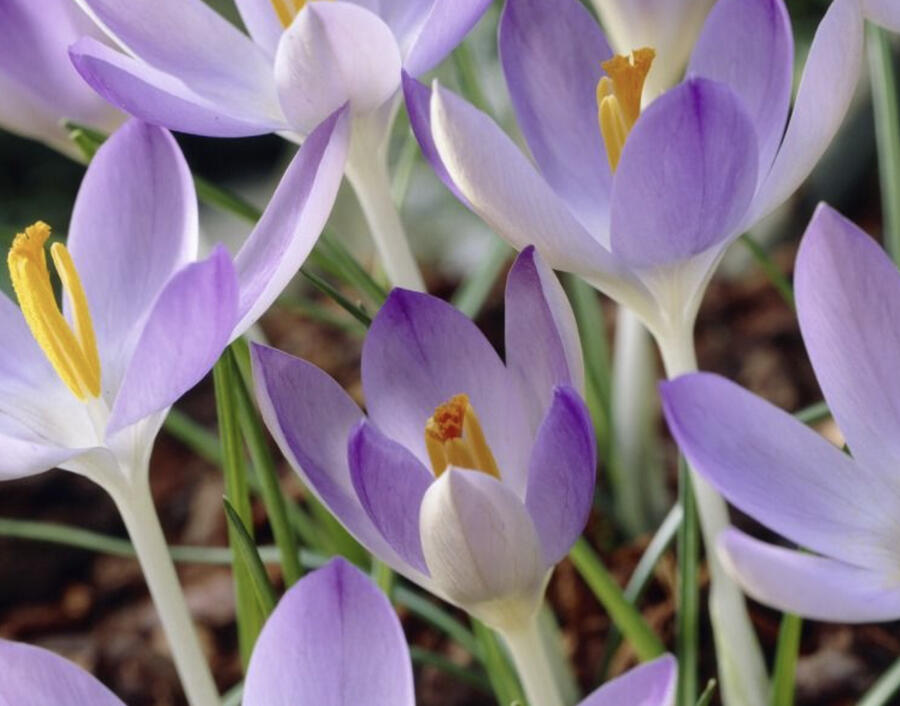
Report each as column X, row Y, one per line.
column 448, row 21
column 479, row 541
column 162, row 99
column 808, row 585
column 333, row 54
column 651, row 684
column 419, row 353
column 848, row 304
column 561, row 474
column 262, row 23
column 505, row 190
column 134, row 225
column 311, row 417
column 32, row 675
column 826, row 89
column 552, row 52
column 390, row 483
column 542, row 345
column 779, row 471
column 686, row 177
column 883, row 12
column 187, row 330
column 333, row 640
column 748, row 45
column 293, row 220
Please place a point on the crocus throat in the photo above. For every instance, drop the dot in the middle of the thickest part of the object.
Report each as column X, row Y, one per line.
column 73, row 353
column 287, row 10
column 453, row 437
column 619, row 98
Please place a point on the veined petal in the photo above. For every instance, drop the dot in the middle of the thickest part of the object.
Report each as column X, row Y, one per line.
column 826, row 88
column 390, row 483
column 748, row 45
column 848, row 304
column 310, row 417
column 812, row 586
column 163, row 99
column 561, row 474
column 333, row 640
column 552, row 52
column 883, row 12
column 293, row 220
column 441, row 30
column 779, row 471
column 543, row 349
column 686, row 176
column 32, row 675
column 651, row 684
column 335, row 53
column 185, row 333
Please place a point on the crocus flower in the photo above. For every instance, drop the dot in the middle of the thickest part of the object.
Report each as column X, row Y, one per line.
column 789, row 478
column 470, row 477
column 333, row 640
column 86, row 388
column 39, row 85
column 189, row 69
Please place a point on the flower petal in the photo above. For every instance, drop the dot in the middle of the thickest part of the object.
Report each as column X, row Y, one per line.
column 333, row 54
column 163, row 99
column 883, row 12
column 479, row 541
column 552, row 52
column 826, row 88
column 686, row 177
column 32, row 675
column 848, row 304
column 262, row 23
column 542, row 344
column 390, row 483
column 561, row 474
column 311, row 417
column 419, row 353
column 748, row 45
column 650, row 684
column 444, row 27
column 333, row 640
column 186, row 332
column 293, row 220
column 779, row 471
column 808, row 585
column 134, row 225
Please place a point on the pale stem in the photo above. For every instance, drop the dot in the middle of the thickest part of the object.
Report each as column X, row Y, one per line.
column 741, row 666
column 133, row 499
column 533, row 664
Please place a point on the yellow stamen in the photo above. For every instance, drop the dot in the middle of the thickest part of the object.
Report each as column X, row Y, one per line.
column 73, row 354
column 453, row 437
column 287, row 10
column 619, row 99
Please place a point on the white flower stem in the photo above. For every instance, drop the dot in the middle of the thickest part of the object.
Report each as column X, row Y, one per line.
column 135, row 504
column 742, row 669
column 533, row 664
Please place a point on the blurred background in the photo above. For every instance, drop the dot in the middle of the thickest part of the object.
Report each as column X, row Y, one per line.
column 92, row 605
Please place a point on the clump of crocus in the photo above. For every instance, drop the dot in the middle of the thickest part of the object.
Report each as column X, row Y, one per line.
column 85, row 386
column 786, row 476
column 469, row 476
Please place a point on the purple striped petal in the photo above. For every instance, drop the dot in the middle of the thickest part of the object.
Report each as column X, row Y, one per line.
column 333, row 640
column 651, row 684
column 447, row 22
column 686, row 177
column 552, row 52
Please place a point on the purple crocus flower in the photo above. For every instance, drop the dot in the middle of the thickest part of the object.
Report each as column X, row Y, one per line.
column 789, row 478
column 469, row 476
column 39, row 85
column 333, row 640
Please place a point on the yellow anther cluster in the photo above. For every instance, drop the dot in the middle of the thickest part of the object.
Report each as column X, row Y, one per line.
column 287, row 10
column 619, row 98
column 73, row 354
column 453, row 437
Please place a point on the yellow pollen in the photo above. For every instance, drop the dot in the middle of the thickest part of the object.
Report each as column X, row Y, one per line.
column 73, row 354
column 453, row 437
column 619, row 98
column 287, row 10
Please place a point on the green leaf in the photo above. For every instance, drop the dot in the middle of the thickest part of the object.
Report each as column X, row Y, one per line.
column 687, row 627
column 428, row 610
column 501, row 673
column 358, row 312
column 249, row 560
column 707, row 695
column 882, row 691
column 785, row 668
column 775, row 275
column 460, row 674
column 472, row 293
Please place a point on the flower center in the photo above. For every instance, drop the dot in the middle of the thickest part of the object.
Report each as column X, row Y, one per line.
column 619, row 98
column 73, row 353
column 287, row 10
column 453, row 437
